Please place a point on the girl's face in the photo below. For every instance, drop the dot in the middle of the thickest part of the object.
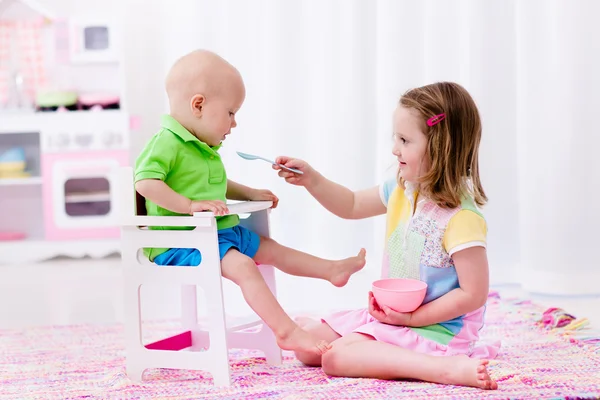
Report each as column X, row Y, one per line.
column 410, row 144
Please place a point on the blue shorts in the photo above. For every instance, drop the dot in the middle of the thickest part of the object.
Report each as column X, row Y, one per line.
column 243, row 240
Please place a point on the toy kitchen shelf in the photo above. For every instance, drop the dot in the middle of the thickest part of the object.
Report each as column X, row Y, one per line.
column 64, row 132
column 33, row 180
column 64, row 203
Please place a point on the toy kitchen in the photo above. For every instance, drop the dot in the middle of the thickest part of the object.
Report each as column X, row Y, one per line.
column 64, row 132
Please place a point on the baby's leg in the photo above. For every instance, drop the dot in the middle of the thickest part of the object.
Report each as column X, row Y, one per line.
column 242, row 270
column 296, row 263
column 319, row 330
column 358, row 355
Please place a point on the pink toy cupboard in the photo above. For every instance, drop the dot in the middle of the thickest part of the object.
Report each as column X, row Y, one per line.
column 61, row 106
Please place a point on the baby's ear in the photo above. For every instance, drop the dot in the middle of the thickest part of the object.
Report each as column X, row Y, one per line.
column 197, row 104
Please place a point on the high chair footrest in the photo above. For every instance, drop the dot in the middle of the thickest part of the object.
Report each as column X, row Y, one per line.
column 173, row 343
column 238, row 324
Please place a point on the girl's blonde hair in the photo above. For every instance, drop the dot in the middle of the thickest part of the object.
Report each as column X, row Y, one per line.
column 453, row 143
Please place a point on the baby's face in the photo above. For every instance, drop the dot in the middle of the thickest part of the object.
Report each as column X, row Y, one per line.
column 218, row 113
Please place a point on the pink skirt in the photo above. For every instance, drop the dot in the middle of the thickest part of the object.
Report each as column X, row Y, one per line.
column 465, row 342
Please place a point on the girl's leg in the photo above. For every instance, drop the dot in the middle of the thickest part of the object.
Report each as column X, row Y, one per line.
column 297, row 263
column 358, row 355
column 318, row 330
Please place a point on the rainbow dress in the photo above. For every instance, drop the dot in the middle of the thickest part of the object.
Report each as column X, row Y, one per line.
column 420, row 240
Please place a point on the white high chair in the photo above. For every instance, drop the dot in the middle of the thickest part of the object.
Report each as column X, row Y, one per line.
column 186, row 350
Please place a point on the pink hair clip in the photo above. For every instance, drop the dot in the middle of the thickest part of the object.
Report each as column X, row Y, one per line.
column 436, row 119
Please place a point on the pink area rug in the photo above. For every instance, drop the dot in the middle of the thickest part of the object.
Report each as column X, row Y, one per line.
column 87, row 361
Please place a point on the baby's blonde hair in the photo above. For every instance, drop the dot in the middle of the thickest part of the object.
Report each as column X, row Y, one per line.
column 453, row 143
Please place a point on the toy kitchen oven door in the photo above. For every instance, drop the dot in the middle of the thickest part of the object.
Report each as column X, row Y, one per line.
column 80, row 171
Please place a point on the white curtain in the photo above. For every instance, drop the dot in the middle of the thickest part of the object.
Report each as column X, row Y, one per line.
column 323, row 78
column 559, row 136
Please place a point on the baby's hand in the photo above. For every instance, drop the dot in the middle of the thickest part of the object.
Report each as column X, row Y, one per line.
column 263, row 194
column 216, row 206
column 387, row 315
column 304, row 179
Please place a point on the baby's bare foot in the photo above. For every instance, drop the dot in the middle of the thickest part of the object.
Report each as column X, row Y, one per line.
column 300, row 340
column 465, row 371
column 343, row 269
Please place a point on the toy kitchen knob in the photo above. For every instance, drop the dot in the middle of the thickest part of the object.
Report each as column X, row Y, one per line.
column 60, row 140
column 84, row 139
column 111, row 138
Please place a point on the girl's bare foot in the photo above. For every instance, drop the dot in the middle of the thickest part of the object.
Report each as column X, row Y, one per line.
column 300, row 340
column 465, row 371
column 343, row 269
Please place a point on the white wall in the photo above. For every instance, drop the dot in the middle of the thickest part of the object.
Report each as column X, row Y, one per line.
column 323, row 79
column 559, row 167
column 472, row 43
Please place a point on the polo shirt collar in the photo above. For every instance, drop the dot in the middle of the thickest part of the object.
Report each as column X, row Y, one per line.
column 170, row 123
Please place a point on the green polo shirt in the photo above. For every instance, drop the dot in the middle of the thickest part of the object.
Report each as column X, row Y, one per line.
column 188, row 166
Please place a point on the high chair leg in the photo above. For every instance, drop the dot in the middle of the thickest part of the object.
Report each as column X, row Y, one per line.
column 220, row 371
column 189, row 314
column 133, row 332
column 217, row 333
column 270, row 347
column 268, row 342
column 134, row 372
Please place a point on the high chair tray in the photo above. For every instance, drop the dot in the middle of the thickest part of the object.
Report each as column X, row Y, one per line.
column 243, row 207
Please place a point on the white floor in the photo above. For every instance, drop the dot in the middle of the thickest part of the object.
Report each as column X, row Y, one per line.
column 68, row 291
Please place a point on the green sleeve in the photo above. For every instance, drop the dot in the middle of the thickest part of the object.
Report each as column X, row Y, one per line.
column 157, row 158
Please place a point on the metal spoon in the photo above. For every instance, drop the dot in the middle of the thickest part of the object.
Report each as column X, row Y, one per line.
column 253, row 157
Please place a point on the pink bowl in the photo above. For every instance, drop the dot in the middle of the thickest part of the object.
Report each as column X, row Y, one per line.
column 402, row 295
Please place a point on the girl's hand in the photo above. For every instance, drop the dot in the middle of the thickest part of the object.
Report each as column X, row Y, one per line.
column 386, row 315
column 305, row 179
column 263, row 194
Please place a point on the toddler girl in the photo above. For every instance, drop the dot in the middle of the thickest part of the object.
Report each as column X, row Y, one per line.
column 435, row 233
